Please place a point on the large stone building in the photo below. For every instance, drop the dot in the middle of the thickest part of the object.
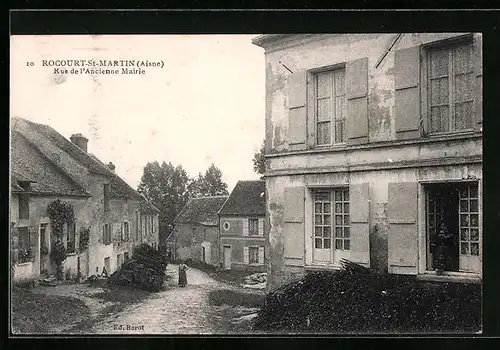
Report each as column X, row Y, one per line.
column 46, row 167
column 196, row 233
column 242, row 236
column 374, row 153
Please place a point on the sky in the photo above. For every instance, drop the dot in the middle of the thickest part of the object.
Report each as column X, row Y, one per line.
column 205, row 103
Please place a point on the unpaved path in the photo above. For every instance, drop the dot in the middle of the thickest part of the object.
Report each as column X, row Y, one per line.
column 175, row 310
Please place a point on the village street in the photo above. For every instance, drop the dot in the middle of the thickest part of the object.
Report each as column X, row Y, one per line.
column 177, row 310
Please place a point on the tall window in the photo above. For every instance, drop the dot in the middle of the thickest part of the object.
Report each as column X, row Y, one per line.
column 330, row 107
column 71, row 237
column 106, row 234
column 125, row 231
column 253, row 226
column 106, row 197
column 137, row 225
column 327, row 205
column 450, row 88
column 253, row 255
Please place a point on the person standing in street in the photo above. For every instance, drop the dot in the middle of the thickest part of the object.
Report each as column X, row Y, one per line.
column 182, row 275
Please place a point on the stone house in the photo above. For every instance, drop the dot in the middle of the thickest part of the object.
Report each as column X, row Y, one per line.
column 374, row 153
column 46, row 167
column 242, row 235
column 196, row 231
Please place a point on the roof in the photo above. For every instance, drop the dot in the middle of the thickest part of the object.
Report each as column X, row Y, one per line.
column 202, row 210
column 36, row 133
column 29, row 164
column 147, row 207
column 247, row 198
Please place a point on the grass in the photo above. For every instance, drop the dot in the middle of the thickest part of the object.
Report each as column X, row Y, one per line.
column 236, row 298
column 344, row 302
column 41, row 314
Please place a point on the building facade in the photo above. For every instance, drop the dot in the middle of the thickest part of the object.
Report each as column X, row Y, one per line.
column 47, row 168
column 242, row 234
column 196, row 230
column 374, row 153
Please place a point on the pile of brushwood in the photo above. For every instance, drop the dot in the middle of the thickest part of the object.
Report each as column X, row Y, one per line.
column 358, row 300
column 145, row 270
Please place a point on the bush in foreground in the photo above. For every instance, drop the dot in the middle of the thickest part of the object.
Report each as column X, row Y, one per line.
column 356, row 300
column 146, row 270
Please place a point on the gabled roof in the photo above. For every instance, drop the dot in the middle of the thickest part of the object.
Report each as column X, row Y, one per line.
column 35, row 133
column 202, row 210
column 147, row 207
column 29, row 164
column 247, row 198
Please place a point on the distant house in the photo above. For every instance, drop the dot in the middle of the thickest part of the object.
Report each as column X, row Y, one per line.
column 196, row 230
column 45, row 167
column 242, row 238
column 149, row 224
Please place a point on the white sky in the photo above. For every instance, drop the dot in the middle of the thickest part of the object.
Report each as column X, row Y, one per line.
column 205, row 105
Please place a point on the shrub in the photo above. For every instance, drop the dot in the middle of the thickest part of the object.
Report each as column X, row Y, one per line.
column 145, row 270
column 58, row 255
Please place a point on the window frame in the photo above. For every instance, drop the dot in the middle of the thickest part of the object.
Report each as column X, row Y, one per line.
column 425, row 51
column 70, row 229
column 333, row 238
column 125, row 234
column 313, row 91
column 250, row 249
column 252, row 232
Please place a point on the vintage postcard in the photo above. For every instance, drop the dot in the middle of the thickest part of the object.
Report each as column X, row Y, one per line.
column 246, row 184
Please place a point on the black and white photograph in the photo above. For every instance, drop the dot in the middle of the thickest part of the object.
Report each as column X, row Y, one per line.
column 246, row 184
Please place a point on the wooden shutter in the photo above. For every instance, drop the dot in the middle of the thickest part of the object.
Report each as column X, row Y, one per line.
column 14, row 232
column 478, row 102
column 403, row 234
column 246, row 259
column 293, row 228
column 261, row 227
column 245, row 227
column 357, row 100
column 407, row 94
column 33, row 237
column 261, row 255
column 297, row 112
column 359, row 213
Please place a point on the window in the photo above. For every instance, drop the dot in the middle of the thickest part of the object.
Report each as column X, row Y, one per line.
column 106, row 237
column 469, row 220
column 226, row 226
column 327, row 205
column 71, row 238
column 24, row 245
column 450, row 82
column 43, row 230
column 253, row 255
column 330, row 107
column 106, row 197
column 253, row 226
column 24, row 211
column 125, row 231
column 137, row 224
column 126, row 256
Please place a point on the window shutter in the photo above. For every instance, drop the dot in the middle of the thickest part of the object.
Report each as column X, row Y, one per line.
column 478, row 51
column 359, row 213
column 261, row 227
column 14, row 232
column 357, row 101
column 246, row 259
column 261, row 255
column 293, row 230
column 402, row 236
column 33, row 240
column 407, row 94
column 245, row 227
column 297, row 114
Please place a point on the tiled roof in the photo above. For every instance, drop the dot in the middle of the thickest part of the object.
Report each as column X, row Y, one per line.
column 147, row 207
column 201, row 210
column 28, row 163
column 247, row 198
column 30, row 130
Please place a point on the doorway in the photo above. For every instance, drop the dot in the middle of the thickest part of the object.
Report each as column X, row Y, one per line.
column 227, row 257
column 43, row 245
column 452, row 227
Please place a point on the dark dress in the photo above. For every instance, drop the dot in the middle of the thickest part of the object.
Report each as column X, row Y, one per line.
column 182, row 275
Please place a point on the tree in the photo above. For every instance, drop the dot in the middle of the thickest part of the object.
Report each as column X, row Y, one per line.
column 259, row 160
column 210, row 184
column 166, row 187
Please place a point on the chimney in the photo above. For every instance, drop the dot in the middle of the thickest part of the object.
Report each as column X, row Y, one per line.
column 111, row 166
column 80, row 140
